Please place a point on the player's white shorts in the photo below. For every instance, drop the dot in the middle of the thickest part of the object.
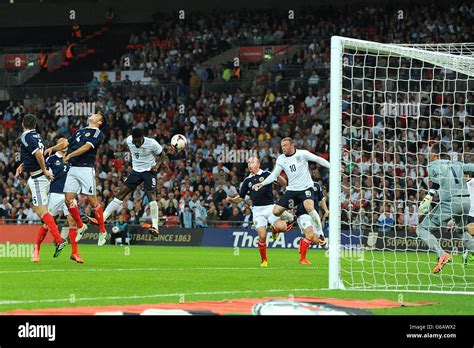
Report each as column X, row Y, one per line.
column 305, row 221
column 261, row 215
column 39, row 187
column 81, row 180
column 57, row 204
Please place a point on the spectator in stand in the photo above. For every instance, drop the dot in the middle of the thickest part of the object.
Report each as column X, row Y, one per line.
column 386, row 220
column 236, row 217
column 187, row 218
column 238, row 120
column 247, row 218
column 122, row 235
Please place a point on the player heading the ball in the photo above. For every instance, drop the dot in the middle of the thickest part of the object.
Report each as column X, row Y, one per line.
column 147, row 157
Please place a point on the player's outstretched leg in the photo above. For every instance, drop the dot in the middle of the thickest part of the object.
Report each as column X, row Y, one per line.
column 154, row 212
column 289, row 218
column 43, row 230
column 275, row 216
column 100, row 220
column 423, row 231
column 99, row 214
column 48, row 219
column 74, row 213
column 114, row 206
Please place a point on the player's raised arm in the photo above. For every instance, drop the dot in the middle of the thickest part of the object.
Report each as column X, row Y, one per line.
column 58, row 147
column 235, row 199
column 20, row 169
column 244, row 189
column 271, row 178
column 434, row 171
column 314, row 158
column 282, row 181
column 162, row 156
column 80, row 151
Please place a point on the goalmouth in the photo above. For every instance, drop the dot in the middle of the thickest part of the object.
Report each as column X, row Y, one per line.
column 388, row 104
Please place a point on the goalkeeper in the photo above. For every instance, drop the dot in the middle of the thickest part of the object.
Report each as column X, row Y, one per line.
column 448, row 183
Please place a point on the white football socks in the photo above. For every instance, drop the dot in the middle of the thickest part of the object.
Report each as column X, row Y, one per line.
column 272, row 218
column 154, row 214
column 317, row 222
column 287, row 216
column 115, row 205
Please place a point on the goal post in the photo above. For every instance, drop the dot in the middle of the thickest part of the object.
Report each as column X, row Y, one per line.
column 388, row 104
column 335, row 148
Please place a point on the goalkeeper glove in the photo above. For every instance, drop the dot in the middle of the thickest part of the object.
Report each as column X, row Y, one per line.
column 425, row 205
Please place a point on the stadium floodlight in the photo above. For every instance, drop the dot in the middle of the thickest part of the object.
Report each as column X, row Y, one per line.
column 389, row 103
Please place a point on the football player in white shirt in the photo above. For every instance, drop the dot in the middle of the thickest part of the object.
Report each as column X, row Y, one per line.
column 144, row 170
column 470, row 225
column 300, row 183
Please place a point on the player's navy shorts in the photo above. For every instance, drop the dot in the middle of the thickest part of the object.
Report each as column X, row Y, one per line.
column 136, row 178
column 470, row 220
column 292, row 199
column 301, row 210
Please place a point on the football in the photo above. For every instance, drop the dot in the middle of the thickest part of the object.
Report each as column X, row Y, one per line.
column 115, row 229
column 179, row 142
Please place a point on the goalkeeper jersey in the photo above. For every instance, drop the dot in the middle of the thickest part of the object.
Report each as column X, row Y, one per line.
column 449, row 175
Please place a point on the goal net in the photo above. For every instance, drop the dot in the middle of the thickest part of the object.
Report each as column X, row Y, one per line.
column 389, row 104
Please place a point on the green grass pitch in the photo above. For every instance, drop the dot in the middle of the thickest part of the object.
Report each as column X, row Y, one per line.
column 114, row 275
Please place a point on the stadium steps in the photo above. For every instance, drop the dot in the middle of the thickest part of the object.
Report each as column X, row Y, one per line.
column 223, row 58
column 102, row 47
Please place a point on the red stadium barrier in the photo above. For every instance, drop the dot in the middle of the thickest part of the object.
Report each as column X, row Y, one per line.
column 21, row 234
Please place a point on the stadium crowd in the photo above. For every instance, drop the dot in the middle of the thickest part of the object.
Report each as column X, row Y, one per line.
column 384, row 173
column 172, row 49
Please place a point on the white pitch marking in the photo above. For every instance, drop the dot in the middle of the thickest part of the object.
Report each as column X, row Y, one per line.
column 233, row 292
column 152, row 269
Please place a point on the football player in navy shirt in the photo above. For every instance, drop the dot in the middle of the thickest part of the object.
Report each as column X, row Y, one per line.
column 81, row 153
column 32, row 161
column 313, row 232
column 263, row 202
column 56, row 203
